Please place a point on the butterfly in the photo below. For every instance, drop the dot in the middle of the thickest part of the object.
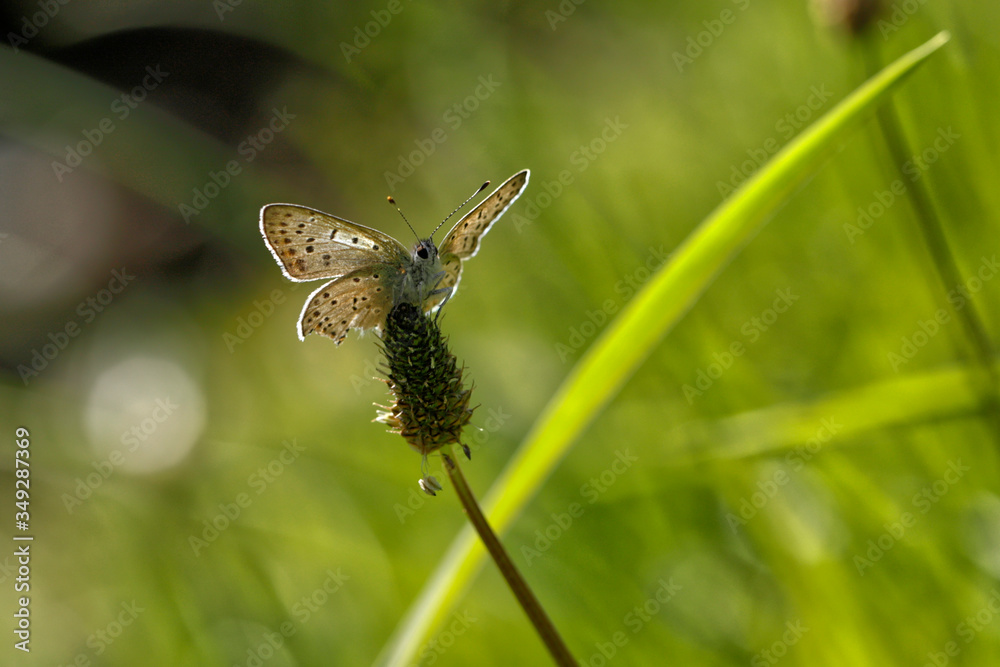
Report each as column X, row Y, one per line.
column 370, row 272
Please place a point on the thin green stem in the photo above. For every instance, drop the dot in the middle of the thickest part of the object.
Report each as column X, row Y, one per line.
column 986, row 379
column 543, row 625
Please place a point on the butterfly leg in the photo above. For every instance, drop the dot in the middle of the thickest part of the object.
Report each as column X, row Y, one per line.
column 448, row 291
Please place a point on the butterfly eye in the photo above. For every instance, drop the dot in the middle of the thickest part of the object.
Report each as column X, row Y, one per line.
column 422, row 252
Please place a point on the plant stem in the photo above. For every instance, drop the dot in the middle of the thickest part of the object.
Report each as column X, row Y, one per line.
column 986, row 380
column 557, row 648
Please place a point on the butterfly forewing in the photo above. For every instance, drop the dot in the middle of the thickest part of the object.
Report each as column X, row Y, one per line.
column 463, row 239
column 310, row 244
column 462, row 242
column 359, row 300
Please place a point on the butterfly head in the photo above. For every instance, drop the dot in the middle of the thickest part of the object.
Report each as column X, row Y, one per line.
column 424, row 252
column 421, row 276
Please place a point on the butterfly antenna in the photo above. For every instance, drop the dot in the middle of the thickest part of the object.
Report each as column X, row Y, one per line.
column 481, row 188
column 393, row 202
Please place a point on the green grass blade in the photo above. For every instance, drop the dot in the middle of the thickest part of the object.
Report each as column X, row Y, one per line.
column 905, row 401
column 629, row 339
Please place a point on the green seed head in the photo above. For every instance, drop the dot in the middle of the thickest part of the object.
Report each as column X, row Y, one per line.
column 431, row 402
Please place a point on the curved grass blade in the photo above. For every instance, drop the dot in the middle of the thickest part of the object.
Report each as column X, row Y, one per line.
column 930, row 396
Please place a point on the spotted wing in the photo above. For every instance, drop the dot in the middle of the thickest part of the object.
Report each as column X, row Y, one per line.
column 359, row 300
column 310, row 244
column 462, row 242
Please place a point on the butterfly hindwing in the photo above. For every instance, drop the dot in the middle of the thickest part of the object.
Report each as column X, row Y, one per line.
column 452, row 269
column 310, row 244
column 359, row 300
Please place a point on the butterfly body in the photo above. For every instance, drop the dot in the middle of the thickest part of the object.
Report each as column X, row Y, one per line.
column 368, row 271
column 419, row 279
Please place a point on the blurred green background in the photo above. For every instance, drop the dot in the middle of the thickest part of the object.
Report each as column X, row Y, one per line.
column 205, row 487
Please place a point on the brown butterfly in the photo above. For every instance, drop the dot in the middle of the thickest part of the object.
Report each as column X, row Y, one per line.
column 371, row 272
